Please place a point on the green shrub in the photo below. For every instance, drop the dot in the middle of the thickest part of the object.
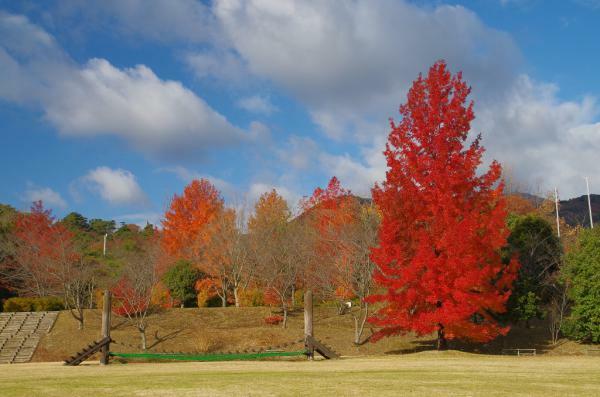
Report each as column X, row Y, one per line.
column 180, row 280
column 48, row 303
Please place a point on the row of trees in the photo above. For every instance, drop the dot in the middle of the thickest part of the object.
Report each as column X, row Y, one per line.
column 203, row 249
column 440, row 249
column 325, row 248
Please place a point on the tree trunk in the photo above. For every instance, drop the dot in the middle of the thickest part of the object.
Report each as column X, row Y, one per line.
column 359, row 324
column 76, row 309
column 143, row 336
column 442, row 343
column 91, row 302
column 78, row 317
column 236, row 297
column 285, row 315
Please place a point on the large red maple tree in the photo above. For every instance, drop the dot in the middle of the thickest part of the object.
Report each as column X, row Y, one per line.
column 443, row 223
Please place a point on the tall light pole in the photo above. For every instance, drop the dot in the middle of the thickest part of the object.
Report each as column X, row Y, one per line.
column 556, row 206
column 104, row 249
column 587, row 185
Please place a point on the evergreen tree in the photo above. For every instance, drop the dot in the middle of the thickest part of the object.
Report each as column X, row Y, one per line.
column 181, row 279
column 534, row 242
column 583, row 270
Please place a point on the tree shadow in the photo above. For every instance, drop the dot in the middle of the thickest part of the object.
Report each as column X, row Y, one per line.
column 417, row 346
column 160, row 339
column 114, row 326
column 519, row 337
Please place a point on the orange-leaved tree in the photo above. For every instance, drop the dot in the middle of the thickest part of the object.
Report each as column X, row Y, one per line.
column 185, row 227
column 344, row 231
column 228, row 255
column 328, row 213
column 443, row 223
column 278, row 248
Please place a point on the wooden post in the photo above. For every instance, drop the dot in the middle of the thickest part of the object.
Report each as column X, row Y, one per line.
column 308, row 324
column 106, row 310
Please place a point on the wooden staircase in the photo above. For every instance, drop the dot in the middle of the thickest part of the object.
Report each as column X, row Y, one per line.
column 88, row 352
column 313, row 344
column 20, row 334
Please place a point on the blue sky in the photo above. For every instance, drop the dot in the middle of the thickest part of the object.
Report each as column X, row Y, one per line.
column 109, row 108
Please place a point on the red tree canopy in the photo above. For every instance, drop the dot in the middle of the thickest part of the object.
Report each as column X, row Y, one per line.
column 443, row 224
column 44, row 252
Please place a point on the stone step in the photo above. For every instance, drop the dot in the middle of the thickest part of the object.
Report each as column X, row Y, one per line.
column 20, row 334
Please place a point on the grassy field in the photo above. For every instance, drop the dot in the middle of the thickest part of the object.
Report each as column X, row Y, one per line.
column 419, row 374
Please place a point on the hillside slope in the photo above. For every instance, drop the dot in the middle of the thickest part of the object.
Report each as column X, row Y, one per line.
column 576, row 210
column 231, row 329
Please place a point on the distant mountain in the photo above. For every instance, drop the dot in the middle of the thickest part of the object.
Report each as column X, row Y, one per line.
column 575, row 211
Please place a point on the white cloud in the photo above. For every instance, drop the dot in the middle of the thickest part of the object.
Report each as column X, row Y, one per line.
column 544, row 141
column 116, row 186
column 349, row 63
column 49, row 197
column 156, row 116
column 300, row 152
column 159, row 117
column 257, row 104
column 222, row 65
column 542, row 138
column 352, row 62
column 353, row 174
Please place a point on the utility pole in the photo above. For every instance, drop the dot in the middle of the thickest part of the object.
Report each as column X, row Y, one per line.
column 104, row 249
column 556, row 206
column 587, row 185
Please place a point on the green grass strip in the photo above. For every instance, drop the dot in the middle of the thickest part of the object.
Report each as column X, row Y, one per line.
column 206, row 357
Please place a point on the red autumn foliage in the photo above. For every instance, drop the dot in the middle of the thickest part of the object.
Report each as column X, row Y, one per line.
column 129, row 300
column 44, row 254
column 443, row 224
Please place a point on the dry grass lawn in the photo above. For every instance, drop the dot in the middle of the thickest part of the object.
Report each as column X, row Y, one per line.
column 419, row 374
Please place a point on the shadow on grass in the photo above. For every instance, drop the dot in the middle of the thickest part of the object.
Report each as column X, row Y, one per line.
column 160, row 339
column 535, row 337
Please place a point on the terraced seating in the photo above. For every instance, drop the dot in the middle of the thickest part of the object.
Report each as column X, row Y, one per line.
column 20, row 334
